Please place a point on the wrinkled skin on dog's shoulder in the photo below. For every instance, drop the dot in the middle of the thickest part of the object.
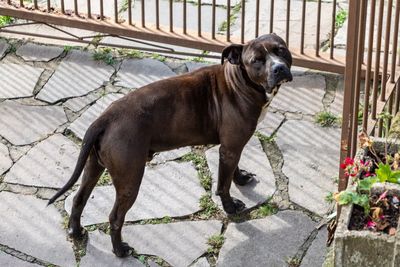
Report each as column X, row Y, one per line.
column 219, row 104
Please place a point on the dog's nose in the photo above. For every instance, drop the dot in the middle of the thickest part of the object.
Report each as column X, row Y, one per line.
column 281, row 72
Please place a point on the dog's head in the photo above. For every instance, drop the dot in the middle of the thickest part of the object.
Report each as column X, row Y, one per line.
column 266, row 61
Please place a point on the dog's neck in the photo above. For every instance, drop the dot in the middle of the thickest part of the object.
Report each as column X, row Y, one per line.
column 239, row 81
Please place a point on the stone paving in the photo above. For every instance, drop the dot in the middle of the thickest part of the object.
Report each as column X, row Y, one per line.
column 47, row 101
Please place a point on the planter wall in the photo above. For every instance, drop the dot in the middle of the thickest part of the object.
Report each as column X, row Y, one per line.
column 366, row 248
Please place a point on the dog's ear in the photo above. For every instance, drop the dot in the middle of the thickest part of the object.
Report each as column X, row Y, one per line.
column 233, row 53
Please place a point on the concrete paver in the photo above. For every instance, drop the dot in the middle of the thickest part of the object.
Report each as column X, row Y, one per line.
column 99, row 253
column 77, row 75
column 135, row 73
column 39, row 232
column 3, row 48
column 171, row 189
column 265, row 242
column 5, row 160
column 311, row 154
column 18, row 80
column 253, row 160
column 7, row 260
column 178, row 243
column 48, row 164
column 35, row 52
column 23, row 125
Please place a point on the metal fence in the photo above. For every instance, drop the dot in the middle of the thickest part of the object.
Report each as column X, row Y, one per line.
column 372, row 44
column 371, row 54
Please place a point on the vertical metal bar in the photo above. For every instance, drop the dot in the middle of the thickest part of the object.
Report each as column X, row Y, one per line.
column 9, row 2
column 242, row 22
column 116, row 11
column 184, row 16
column 158, row 14
column 62, row 7
column 363, row 28
column 386, row 49
column 271, row 17
column 48, row 6
column 350, row 70
column 130, row 12
column 390, row 111
column 75, row 6
column 333, row 29
column 360, row 55
column 377, row 60
column 35, row 4
column 171, row 16
column 143, row 14
column 394, row 45
column 303, row 24
column 318, row 29
column 21, row 3
column 369, row 64
column 213, row 20
column 397, row 99
column 287, row 21
column 199, row 18
column 257, row 17
column 89, row 9
column 228, row 21
column 101, row 10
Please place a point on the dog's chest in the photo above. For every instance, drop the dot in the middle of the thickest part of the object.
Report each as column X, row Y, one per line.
column 265, row 107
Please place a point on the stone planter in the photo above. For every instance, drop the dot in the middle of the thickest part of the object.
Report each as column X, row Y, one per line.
column 366, row 248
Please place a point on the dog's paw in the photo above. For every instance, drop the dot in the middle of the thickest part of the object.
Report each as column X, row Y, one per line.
column 77, row 233
column 243, row 178
column 123, row 250
column 235, row 206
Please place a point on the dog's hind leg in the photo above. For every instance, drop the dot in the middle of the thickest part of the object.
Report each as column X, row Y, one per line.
column 91, row 175
column 127, row 188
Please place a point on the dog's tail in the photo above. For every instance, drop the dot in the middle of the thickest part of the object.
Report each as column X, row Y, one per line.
column 92, row 134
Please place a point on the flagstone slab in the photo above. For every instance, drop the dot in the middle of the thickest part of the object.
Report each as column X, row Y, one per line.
column 35, row 52
column 315, row 255
column 202, row 262
column 27, row 225
column 48, row 164
column 170, row 155
column 80, row 125
column 23, row 125
column 196, row 65
column 178, row 243
column 3, row 48
column 253, row 160
column 77, row 75
column 270, row 123
column 99, row 253
column 303, row 95
column 136, row 73
column 311, row 156
column 172, row 189
column 265, row 242
column 18, row 80
column 5, row 160
column 78, row 103
column 6, row 260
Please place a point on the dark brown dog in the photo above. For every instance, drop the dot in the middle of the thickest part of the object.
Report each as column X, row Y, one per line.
column 220, row 104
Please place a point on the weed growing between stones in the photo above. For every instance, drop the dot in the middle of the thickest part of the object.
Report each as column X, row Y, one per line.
column 340, row 18
column 200, row 163
column 163, row 220
column 326, row 119
column 209, row 208
column 215, row 242
column 329, row 197
column 5, row 20
column 232, row 18
column 131, row 53
column 105, row 179
column 293, row 262
column 263, row 138
column 158, row 57
column 264, row 210
column 104, row 55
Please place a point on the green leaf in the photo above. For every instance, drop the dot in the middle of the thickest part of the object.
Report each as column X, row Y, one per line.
column 366, row 183
column 383, row 172
column 345, row 197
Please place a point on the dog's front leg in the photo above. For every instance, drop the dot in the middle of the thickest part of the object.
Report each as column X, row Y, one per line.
column 228, row 160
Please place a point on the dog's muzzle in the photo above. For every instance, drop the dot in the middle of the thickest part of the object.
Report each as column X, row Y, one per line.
column 279, row 74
